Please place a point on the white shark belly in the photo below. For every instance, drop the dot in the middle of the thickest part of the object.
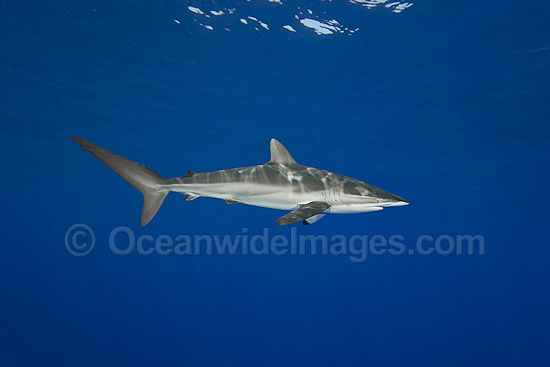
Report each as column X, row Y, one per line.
column 351, row 208
column 273, row 197
column 354, row 208
column 272, row 201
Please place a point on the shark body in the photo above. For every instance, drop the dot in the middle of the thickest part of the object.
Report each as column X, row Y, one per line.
column 309, row 193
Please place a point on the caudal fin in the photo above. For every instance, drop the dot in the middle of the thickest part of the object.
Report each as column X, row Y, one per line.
column 148, row 182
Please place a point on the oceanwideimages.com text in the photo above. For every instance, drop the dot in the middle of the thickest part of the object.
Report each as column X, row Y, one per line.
column 80, row 241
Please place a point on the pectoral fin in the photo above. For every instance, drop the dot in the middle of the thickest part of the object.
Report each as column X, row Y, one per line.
column 304, row 212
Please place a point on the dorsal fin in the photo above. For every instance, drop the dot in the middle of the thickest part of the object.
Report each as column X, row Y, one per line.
column 279, row 154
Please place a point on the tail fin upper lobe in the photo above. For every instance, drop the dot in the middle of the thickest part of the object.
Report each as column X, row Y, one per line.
column 148, row 182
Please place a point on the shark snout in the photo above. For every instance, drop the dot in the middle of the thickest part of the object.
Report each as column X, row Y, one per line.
column 399, row 203
column 392, row 200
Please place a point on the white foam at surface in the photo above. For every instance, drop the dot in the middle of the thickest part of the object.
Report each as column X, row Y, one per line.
column 399, row 8
column 368, row 3
column 195, row 10
column 318, row 27
column 321, row 24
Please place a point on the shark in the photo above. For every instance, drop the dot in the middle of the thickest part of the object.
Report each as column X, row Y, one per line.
column 307, row 193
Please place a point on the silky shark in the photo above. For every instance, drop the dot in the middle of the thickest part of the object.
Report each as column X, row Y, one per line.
column 308, row 193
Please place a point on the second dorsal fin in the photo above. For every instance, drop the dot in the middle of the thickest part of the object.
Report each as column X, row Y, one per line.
column 189, row 174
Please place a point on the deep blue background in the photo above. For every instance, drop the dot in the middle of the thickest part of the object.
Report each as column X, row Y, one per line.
column 446, row 104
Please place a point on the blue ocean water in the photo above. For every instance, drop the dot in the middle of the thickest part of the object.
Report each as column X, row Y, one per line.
column 445, row 104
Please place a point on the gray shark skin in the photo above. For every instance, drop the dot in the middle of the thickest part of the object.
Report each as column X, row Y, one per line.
column 309, row 193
